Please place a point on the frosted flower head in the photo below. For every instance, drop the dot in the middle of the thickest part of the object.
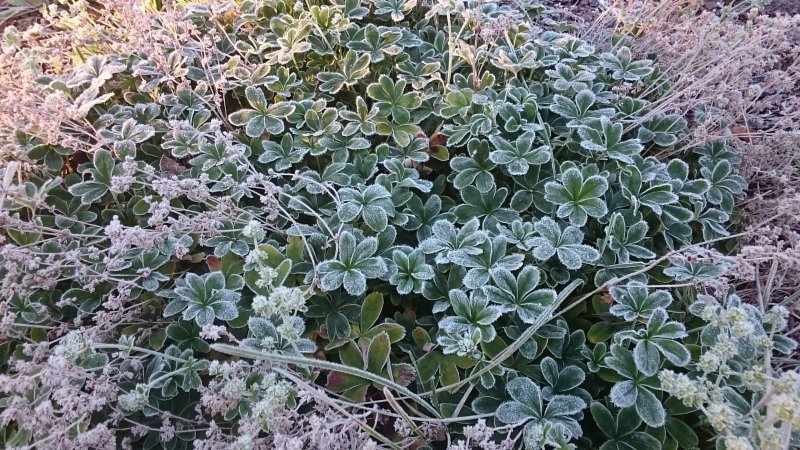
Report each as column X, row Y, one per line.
column 263, row 306
column 75, row 346
column 254, row 231
column 255, row 257
column 134, row 400
column 737, row 443
column 266, row 275
column 235, row 388
column 776, row 317
column 214, row 368
column 710, row 312
column 466, row 346
column 742, row 329
column 690, row 392
column 784, row 407
column 268, row 343
column 763, row 342
column 721, row 416
column 755, row 379
column 274, row 399
column 243, row 443
column 788, row 383
column 709, row 362
column 288, row 300
column 770, row 438
column 288, row 331
column 534, row 436
column 738, row 321
column 283, row 301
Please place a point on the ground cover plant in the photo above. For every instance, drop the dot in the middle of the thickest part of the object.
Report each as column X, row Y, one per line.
column 341, row 224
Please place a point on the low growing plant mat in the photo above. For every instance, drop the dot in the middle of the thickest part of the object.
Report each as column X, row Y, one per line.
column 343, row 224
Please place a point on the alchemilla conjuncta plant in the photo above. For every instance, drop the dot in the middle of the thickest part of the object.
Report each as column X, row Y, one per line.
column 383, row 224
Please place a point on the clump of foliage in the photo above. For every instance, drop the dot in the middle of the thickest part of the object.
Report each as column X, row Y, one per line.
column 446, row 223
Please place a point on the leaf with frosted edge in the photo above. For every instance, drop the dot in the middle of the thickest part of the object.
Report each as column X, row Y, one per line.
column 282, row 155
column 447, row 243
column 625, row 241
column 519, row 294
column 621, row 429
column 647, row 358
column 563, row 382
column 603, row 136
column 662, row 131
column 527, row 405
column 623, row 67
column 520, row 155
column 653, row 196
column 262, row 118
column 624, row 394
column 492, row 257
column 356, row 263
column 525, row 391
column 352, row 68
column 566, row 244
column 635, row 390
column 578, row 109
column 372, row 203
column 633, row 301
column 577, row 198
column 650, row 408
column 202, row 299
column 390, row 97
column 412, row 271
column 475, row 169
column 661, row 336
column 473, row 313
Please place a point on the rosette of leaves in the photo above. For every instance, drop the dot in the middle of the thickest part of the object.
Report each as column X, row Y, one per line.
column 634, row 388
column 202, row 298
column 355, row 264
column 560, row 416
column 578, row 197
column 473, row 313
column 566, row 244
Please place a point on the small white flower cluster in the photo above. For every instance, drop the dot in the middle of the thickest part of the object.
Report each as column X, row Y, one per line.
column 123, row 182
column 733, row 324
column 777, row 318
column 691, row 392
column 255, row 261
column 217, row 368
column 716, row 357
column 289, row 329
column 253, row 230
column 734, row 318
column 234, row 388
column 777, row 415
column 134, row 400
column 75, row 346
column 274, row 394
column 244, row 442
column 283, row 301
column 534, row 436
column 784, row 408
column 737, row 443
column 466, row 346
column 721, row 416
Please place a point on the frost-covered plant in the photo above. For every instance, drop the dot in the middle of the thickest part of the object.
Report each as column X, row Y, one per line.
column 449, row 210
